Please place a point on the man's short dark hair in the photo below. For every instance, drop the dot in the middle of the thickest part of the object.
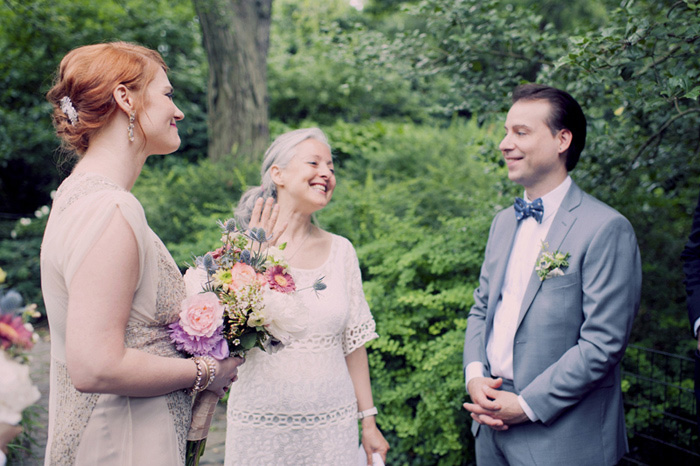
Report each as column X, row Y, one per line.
column 565, row 113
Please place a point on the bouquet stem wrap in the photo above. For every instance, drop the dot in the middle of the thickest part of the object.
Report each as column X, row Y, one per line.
column 202, row 413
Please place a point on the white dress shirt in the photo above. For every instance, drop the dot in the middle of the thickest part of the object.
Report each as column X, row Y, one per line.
column 521, row 265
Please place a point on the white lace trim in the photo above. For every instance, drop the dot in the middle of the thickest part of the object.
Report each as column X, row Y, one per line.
column 358, row 336
column 317, row 343
column 294, row 421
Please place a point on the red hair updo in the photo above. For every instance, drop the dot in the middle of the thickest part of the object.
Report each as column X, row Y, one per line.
column 87, row 76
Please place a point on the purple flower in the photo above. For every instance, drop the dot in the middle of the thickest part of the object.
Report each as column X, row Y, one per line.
column 214, row 346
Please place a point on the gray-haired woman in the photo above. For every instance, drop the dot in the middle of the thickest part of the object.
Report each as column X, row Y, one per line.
column 301, row 405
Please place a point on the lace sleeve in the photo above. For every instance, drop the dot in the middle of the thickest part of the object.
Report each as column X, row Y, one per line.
column 360, row 327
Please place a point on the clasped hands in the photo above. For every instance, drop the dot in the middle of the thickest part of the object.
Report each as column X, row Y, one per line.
column 491, row 407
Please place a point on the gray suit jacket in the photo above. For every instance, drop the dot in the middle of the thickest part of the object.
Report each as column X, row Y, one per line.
column 572, row 330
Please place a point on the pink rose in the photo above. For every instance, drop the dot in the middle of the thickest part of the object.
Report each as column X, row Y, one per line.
column 201, row 314
column 242, row 275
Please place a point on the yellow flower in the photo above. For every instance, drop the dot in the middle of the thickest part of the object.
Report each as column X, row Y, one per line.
column 3, row 275
column 222, row 277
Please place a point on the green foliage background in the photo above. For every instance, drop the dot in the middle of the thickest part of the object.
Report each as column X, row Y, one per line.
column 412, row 96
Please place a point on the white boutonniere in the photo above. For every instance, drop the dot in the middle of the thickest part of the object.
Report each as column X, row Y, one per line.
column 550, row 264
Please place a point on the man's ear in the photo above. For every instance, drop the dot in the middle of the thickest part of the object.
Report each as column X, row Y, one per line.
column 124, row 98
column 564, row 137
column 276, row 175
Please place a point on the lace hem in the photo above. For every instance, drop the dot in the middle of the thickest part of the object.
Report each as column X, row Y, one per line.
column 277, row 421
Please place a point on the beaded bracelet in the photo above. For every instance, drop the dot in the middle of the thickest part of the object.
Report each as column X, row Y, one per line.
column 201, row 370
column 211, row 370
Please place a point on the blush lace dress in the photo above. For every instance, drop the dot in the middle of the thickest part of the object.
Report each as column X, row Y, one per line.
column 103, row 429
column 298, row 406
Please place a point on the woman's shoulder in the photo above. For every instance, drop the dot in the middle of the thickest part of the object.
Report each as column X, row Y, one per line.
column 340, row 241
column 342, row 249
column 91, row 200
column 93, row 192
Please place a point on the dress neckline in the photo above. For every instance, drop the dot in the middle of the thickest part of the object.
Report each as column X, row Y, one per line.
column 328, row 258
column 106, row 179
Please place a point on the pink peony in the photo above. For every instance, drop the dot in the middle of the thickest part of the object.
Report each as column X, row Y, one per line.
column 280, row 280
column 242, row 275
column 201, row 314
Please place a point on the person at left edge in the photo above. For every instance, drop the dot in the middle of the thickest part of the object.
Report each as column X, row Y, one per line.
column 117, row 389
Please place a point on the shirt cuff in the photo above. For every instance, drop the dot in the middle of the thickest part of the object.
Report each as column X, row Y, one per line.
column 696, row 327
column 473, row 370
column 526, row 408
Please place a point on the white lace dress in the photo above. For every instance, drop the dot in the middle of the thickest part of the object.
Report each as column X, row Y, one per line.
column 298, row 406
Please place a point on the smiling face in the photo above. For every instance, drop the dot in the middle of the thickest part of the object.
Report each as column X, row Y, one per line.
column 535, row 157
column 160, row 115
column 308, row 180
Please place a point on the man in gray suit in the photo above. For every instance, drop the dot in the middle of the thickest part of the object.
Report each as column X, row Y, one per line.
column 558, row 291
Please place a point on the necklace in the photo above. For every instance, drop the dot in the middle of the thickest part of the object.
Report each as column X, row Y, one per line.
column 301, row 243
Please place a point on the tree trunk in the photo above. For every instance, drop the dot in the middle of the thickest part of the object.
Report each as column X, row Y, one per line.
column 236, row 37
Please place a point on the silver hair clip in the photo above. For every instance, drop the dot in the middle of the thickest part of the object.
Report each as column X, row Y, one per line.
column 69, row 110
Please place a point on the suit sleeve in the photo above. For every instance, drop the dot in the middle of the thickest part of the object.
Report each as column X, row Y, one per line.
column 610, row 291
column 691, row 268
column 474, row 338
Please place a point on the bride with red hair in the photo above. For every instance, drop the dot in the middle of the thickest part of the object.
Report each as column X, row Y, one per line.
column 119, row 388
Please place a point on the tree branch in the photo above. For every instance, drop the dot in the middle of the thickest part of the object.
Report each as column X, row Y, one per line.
column 658, row 134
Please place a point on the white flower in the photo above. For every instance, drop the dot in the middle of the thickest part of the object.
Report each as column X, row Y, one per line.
column 257, row 318
column 286, row 317
column 16, row 390
column 195, row 279
column 275, row 255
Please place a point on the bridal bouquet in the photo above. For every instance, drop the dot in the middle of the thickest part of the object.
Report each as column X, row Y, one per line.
column 17, row 336
column 239, row 297
column 16, row 332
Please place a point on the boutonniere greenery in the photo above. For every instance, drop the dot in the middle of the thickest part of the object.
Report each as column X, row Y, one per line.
column 550, row 264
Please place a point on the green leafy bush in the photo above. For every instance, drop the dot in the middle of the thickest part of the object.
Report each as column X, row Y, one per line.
column 183, row 202
column 19, row 256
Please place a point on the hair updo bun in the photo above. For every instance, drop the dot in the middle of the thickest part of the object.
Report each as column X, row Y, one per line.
column 87, row 76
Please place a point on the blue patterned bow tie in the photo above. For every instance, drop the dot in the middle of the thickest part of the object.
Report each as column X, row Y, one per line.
column 526, row 209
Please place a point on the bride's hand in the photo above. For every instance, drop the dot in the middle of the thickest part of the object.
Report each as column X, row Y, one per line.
column 226, row 374
column 265, row 215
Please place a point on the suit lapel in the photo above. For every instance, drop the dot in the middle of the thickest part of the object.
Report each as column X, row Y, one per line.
column 563, row 221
